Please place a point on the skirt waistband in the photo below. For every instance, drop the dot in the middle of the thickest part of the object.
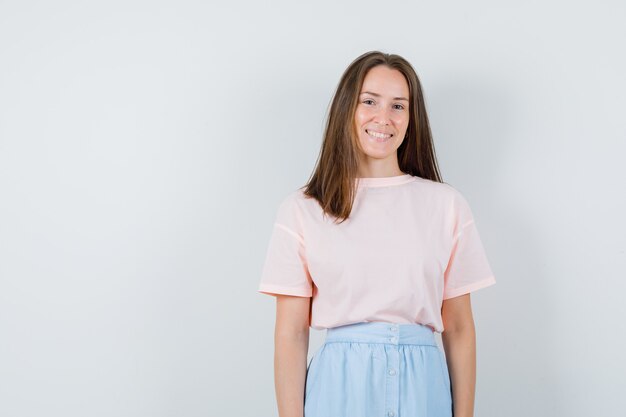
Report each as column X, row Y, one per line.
column 383, row 332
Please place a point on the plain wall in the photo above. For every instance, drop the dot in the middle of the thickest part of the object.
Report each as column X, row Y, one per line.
column 145, row 146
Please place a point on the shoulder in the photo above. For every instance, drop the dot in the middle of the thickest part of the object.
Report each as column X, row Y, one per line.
column 292, row 200
column 445, row 196
column 439, row 190
column 291, row 207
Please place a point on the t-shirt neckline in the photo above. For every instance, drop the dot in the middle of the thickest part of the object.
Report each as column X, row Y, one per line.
column 384, row 181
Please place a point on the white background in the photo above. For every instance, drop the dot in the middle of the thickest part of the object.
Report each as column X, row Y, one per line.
column 145, row 145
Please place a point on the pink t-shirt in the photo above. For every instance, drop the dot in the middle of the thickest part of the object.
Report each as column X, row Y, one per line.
column 408, row 244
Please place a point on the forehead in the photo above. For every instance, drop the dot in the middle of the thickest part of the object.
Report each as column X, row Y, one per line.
column 385, row 82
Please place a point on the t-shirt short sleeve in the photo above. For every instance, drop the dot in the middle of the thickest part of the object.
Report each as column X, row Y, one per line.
column 468, row 268
column 285, row 269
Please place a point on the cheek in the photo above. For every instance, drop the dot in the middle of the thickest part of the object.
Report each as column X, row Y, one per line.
column 358, row 120
column 402, row 126
column 402, row 120
column 361, row 117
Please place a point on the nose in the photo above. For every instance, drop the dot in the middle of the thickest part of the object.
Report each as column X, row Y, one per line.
column 382, row 116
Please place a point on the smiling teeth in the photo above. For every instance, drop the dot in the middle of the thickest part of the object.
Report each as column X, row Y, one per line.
column 378, row 135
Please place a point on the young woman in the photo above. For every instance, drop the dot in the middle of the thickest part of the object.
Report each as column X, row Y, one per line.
column 382, row 253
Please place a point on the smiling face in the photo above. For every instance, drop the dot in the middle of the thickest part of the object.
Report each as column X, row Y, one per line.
column 382, row 117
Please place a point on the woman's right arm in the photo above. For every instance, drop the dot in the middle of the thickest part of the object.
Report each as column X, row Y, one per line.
column 291, row 339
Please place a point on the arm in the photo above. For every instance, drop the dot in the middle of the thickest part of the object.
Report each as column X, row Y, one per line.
column 291, row 338
column 459, row 342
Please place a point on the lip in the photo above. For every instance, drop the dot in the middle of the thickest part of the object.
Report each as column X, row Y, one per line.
column 377, row 139
column 377, row 131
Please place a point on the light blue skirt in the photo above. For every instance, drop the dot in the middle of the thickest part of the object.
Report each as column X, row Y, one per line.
column 378, row 369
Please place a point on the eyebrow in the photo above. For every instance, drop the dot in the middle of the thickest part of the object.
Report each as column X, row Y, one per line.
column 378, row 95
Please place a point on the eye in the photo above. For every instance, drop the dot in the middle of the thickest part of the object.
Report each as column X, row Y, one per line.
column 367, row 99
column 401, row 107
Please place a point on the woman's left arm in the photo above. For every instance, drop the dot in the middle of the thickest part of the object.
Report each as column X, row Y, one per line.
column 459, row 342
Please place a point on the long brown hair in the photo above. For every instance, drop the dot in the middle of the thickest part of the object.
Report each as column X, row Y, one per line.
column 332, row 182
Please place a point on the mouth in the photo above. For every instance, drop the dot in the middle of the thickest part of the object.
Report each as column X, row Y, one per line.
column 378, row 136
